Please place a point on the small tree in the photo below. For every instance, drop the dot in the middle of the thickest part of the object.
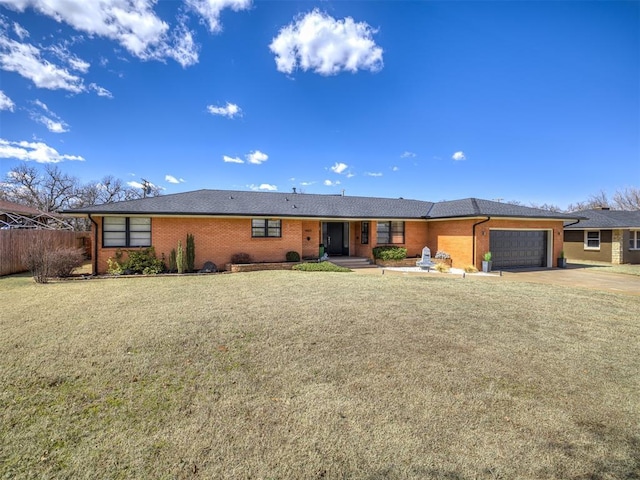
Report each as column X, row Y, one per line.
column 191, row 253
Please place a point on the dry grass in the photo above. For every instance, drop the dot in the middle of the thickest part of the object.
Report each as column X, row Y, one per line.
column 629, row 269
column 306, row 375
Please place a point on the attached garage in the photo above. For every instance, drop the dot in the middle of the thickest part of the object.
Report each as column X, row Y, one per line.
column 518, row 248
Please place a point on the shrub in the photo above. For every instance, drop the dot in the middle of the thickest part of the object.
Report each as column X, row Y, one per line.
column 65, row 260
column 442, row 267
column 114, row 267
column 470, row 269
column 487, row 257
column 241, row 258
column 180, row 258
column 293, row 256
column 173, row 264
column 190, row 258
column 45, row 262
column 142, row 261
column 390, row 253
column 442, row 255
column 320, row 267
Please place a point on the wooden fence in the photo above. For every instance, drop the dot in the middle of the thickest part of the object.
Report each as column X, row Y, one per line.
column 14, row 242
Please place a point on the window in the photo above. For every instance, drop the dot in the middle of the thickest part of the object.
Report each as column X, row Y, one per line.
column 126, row 232
column 266, row 228
column 390, row 232
column 634, row 240
column 592, row 240
column 364, row 233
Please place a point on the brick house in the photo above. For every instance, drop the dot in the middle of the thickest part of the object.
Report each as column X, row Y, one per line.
column 604, row 235
column 266, row 225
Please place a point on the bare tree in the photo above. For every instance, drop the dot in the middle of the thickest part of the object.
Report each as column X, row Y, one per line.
column 599, row 200
column 627, row 199
column 50, row 191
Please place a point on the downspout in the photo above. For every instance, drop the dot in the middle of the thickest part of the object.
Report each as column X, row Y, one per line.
column 95, row 246
column 473, row 234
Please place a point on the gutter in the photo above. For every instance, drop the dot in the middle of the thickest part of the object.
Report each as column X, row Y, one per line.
column 473, row 234
column 95, row 246
column 569, row 224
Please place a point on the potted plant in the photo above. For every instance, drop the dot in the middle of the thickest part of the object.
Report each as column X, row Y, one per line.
column 486, row 262
column 562, row 261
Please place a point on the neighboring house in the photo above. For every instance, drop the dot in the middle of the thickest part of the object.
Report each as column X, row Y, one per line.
column 605, row 236
column 15, row 215
column 266, row 225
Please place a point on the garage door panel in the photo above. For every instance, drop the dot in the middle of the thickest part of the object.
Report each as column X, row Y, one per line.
column 518, row 248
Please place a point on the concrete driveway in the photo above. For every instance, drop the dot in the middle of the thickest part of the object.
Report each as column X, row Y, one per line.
column 579, row 276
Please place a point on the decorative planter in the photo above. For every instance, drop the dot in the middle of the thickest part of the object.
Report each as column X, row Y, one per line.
column 405, row 262
column 486, row 266
column 562, row 263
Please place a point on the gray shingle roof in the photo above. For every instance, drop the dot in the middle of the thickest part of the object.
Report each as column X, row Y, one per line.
column 243, row 203
column 476, row 207
column 607, row 219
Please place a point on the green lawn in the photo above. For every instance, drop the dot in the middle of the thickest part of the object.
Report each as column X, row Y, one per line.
column 317, row 375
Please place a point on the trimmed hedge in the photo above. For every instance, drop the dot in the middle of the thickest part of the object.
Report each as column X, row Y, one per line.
column 390, row 253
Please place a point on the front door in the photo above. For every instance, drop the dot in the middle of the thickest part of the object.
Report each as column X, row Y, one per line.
column 334, row 238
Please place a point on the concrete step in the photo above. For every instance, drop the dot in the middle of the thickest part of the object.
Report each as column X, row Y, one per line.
column 352, row 262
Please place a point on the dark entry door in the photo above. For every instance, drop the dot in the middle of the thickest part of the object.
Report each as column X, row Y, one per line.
column 334, row 238
column 518, row 248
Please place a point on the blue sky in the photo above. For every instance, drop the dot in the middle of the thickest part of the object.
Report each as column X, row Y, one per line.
column 528, row 101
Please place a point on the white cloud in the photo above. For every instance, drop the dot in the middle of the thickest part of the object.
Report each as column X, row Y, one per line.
column 319, row 42
column 102, row 92
column 75, row 62
column 373, row 174
column 210, row 10
column 172, row 179
column 408, row 154
column 183, row 48
column 135, row 184
column 47, row 118
column 6, row 103
column 458, row 156
column 33, row 151
column 306, row 184
column 339, row 167
column 21, row 32
column 394, row 169
column 228, row 159
column 26, row 60
column 329, row 183
column 229, row 110
column 257, row 157
column 264, row 186
column 132, row 23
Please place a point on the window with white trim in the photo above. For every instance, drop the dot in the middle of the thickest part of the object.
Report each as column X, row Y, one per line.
column 126, row 232
column 592, row 240
column 634, row 240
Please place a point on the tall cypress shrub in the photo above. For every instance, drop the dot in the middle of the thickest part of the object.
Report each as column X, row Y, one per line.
column 180, row 257
column 191, row 253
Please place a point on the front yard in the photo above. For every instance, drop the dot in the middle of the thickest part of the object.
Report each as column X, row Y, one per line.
column 317, row 375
